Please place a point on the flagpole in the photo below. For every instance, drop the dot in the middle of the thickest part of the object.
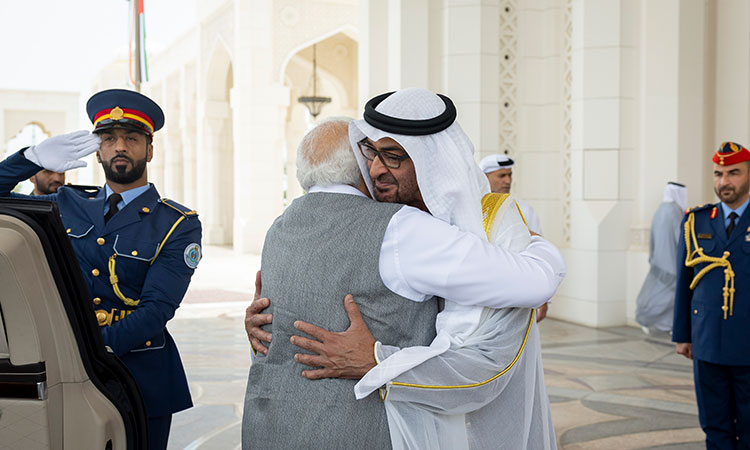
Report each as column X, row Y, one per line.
column 137, row 38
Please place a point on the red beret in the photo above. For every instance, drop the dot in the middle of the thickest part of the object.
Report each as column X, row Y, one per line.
column 730, row 153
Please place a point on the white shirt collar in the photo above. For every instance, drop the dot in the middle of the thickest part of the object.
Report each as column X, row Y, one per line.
column 337, row 189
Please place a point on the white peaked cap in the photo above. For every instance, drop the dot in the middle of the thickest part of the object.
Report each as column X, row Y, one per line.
column 491, row 163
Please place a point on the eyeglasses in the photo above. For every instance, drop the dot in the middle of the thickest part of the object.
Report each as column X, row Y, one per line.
column 387, row 158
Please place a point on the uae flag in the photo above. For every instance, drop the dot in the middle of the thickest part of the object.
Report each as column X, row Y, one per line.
column 137, row 43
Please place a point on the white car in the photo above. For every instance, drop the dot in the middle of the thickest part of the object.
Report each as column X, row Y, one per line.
column 60, row 388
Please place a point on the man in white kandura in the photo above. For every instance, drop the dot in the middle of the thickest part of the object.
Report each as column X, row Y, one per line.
column 654, row 309
column 499, row 172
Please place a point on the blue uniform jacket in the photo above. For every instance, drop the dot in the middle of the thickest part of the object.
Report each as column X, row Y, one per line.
column 698, row 314
column 127, row 247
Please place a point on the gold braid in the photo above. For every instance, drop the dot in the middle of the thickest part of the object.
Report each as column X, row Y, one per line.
column 113, row 280
column 694, row 256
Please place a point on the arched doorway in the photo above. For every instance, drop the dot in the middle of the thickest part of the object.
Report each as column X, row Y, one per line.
column 336, row 58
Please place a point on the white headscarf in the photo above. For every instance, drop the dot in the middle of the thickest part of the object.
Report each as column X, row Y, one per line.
column 677, row 193
column 451, row 183
column 491, row 163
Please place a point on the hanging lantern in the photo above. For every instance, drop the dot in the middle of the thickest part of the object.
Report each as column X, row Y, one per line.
column 314, row 102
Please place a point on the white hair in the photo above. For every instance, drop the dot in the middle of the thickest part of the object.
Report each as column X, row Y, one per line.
column 325, row 157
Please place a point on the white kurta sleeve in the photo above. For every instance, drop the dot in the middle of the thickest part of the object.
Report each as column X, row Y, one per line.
column 423, row 257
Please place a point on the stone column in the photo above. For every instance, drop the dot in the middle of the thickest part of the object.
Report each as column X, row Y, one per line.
column 593, row 292
column 732, row 72
column 408, row 43
column 534, row 90
column 173, row 152
column 401, row 45
column 373, row 49
column 472, row 62
column 214, row 198
column 670, row 110
column 693, row 159
column 398, row 39
column 259, row 104
column 188, row 135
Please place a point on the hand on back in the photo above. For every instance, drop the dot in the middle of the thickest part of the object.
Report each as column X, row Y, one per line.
column 254, row 320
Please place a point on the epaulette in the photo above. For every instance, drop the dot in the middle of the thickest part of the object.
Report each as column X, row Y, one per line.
column 698, row 208
column 85, row 190
column 187, row 212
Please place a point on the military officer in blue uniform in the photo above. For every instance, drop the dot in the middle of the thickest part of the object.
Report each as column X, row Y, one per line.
column 137, row 250
column 712, row 302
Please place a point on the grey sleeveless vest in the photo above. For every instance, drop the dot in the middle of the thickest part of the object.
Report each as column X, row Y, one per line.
column 323, row 247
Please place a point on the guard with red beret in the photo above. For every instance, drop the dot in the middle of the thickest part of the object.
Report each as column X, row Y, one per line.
column 136, row 249
column 712, row 302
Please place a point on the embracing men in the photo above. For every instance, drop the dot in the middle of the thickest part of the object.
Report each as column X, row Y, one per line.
column 394, row 260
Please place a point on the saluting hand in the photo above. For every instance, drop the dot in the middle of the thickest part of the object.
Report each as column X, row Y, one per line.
column 63, row 152
column 349, row 354
column 254, row 320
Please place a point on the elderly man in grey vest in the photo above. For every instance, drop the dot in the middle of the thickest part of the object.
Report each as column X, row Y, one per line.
column 334, row 241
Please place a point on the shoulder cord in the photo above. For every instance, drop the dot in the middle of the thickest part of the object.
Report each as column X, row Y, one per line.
column 113, row 276
column 694, row 255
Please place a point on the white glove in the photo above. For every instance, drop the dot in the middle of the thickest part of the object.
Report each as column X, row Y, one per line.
column 62, row 153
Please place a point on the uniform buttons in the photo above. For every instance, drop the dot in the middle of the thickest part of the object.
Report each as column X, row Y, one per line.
column 68, row 230
column 95, row 272
column 134, row 253
column 100, row 241
column 144, row 209
column 97, row 300
column 695, row 311
column 148, row 343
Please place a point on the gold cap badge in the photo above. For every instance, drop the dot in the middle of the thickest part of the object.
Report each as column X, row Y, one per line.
column 116, row 113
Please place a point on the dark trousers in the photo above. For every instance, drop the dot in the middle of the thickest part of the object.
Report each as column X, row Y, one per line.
column 723, row 394
column 158, row 432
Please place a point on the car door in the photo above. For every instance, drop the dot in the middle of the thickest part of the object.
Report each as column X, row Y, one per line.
column 60, row 388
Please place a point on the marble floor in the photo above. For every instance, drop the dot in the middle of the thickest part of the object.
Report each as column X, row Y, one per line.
column 616, row 388
column 611, row 388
